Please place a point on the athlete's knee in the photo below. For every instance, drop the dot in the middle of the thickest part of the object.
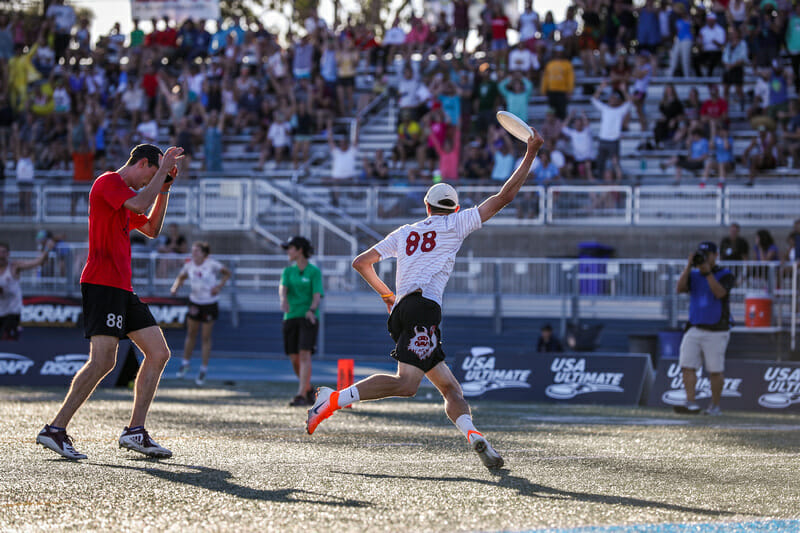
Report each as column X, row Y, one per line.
column 452, row 392
column 102, row 364
column 159, row 355
column 406, row 388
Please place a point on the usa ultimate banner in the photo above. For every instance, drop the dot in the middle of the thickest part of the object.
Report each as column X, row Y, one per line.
column 178, row 10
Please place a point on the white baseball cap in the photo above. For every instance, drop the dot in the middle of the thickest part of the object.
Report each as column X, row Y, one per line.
column 443, row 196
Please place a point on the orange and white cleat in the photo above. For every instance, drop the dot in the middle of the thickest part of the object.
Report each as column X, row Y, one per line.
column 324, row 406
column 491, row 459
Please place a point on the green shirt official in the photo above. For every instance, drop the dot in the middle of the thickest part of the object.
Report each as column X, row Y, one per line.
column 300, row 289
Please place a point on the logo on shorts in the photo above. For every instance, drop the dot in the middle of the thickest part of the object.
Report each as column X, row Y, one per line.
column 676, row 395
column 424, row 341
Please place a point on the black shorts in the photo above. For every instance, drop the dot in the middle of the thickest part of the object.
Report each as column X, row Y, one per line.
column 113, row 312
column 414, row 326
column 349, row 81
column 690, row 164
column 299, row 334
column 9, row 327
column 733, row 76
column 203, row 313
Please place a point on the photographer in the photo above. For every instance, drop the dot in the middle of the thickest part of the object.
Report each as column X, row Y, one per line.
column 709, row 325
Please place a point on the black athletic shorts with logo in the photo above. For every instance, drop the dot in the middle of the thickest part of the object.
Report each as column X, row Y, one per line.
column 414, row 326
column 299, row 334
column 203, row 313
column 113, row 312
column 9, row 327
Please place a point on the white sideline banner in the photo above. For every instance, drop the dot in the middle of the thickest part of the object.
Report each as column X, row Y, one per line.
column 178, row 10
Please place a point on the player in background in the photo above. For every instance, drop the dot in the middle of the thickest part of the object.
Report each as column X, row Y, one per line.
column 425, row 252
column 111, row 310
column 11, row 290
column 207, row 277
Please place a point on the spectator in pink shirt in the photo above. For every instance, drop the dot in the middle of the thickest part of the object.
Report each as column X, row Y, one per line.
column 419, row 34
column 449, row 153
column 434, row 125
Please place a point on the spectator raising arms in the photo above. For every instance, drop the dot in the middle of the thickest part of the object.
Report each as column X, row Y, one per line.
column 612, row 116
column 517, row 91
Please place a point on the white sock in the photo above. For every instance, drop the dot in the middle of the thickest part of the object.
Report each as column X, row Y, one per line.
column 348, row 396
column 464, row 424
column 204, row 368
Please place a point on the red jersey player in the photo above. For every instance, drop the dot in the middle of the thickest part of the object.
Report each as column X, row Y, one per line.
column 111, row 310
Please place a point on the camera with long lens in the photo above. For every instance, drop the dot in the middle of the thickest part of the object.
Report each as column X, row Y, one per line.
column 699, row 257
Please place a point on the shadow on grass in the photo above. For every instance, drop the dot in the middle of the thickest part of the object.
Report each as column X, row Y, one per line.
column 217, row 480
column 524, row 487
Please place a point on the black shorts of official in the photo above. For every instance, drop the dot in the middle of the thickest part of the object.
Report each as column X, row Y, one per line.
column 203, row 313
column 113, row 312
column 299, row 334
column 414, row 327
column 9, row 327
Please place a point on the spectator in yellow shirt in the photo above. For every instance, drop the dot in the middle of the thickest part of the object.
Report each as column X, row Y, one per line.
column 21, row 72
column 558, row 82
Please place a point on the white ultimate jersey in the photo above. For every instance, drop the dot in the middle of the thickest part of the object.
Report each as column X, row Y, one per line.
column 203, row 278
column 10, row 293
column 426, row 251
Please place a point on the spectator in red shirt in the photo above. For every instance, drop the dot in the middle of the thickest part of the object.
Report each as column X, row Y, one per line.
column 111, row 309
column 500, row 25
column 150, row 87
column 715, row 108
column 153, row 38
column 168, row 38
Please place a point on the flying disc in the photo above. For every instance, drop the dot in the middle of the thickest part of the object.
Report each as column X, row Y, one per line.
column 514, row 125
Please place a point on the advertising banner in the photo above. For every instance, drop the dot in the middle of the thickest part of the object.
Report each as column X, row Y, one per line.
column 177, row 10
column 52, row 347
column 53, row 361
column 55, row 311
column 749, row 386
column 561, row 378
column 168, row 312
column 51, row 312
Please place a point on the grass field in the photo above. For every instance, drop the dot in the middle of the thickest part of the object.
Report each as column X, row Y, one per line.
column 242, row 462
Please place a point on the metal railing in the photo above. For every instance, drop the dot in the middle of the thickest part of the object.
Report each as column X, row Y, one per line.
column 565, row 289
column 234, row 203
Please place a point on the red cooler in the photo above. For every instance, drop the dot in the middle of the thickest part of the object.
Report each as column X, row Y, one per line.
column 757, row 311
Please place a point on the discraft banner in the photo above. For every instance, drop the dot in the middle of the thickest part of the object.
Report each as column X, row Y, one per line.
column 52, row 347
column 177, row 10
column 562, row 378
column 749, row 386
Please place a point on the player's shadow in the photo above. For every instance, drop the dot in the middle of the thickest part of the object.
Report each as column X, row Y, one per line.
column 524, row 487
column 217, row 480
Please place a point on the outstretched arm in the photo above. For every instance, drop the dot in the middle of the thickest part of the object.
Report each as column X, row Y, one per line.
column 178, row 282
column 492, row 205
column 365, row 265
column 19, row 266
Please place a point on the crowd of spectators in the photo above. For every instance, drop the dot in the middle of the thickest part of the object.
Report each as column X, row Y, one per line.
column 70, row 100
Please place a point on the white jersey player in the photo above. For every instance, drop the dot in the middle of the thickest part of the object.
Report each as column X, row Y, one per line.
column 207, row 276
column 425, row 253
